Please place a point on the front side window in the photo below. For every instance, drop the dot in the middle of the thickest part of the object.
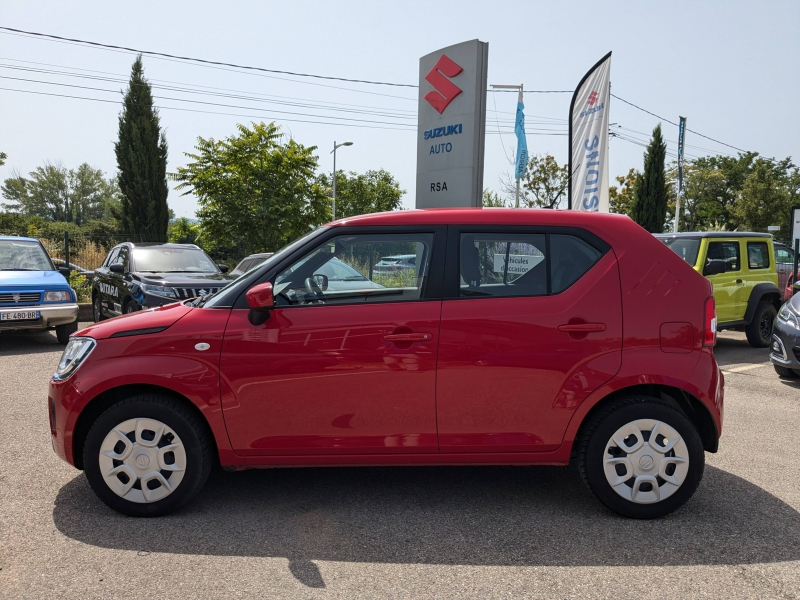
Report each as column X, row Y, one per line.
column 112, row 257
column 123, row 258
column 724, row 251
column 172, row 260
column 23, row 255
column 758, row 255
column 355, row 269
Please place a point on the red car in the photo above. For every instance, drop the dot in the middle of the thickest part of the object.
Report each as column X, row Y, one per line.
column 520, row 337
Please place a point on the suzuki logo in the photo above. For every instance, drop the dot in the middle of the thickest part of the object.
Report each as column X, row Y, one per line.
column 593, row 97
column 15, row 297
column 446, row 90
column 202, row 292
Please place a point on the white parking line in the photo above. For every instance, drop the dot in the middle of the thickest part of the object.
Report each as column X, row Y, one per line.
column 744, row 368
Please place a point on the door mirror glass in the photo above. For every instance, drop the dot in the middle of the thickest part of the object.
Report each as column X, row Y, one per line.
column 259, row 297
column 714, row 267
column 117, row 268
column 322, row 281
column 223, row 268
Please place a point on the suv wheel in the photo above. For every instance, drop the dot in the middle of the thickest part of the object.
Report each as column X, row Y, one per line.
column 759, row 331
column 97, row 309
column 130, row 307
column 64, row 331
column 147, row 455
column 641, row 457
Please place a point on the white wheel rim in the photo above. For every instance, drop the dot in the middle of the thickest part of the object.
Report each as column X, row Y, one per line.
column 142, row 460
column 646, row 461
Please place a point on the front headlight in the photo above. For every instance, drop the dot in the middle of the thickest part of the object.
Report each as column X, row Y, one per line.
column 59, row 296
column 159, row 290
column 74, row 354
column 787, row 315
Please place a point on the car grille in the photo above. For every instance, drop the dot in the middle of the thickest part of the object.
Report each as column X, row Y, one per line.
column 24, row 298
column 185, row 293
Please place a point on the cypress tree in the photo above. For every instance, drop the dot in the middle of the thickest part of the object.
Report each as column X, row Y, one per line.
column 650, row 190
column 142, row 162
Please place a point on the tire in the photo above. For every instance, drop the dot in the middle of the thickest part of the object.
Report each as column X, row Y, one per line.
column 130, row 307
column 184, row 435
column 97, row 309
column 759, row 330
column 643, row 494
column 785, row 372
column 64, row 331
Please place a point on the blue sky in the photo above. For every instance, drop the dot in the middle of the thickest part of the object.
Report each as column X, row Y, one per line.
column 730, row 67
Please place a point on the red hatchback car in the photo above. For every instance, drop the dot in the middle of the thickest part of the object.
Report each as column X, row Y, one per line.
column 519, row 337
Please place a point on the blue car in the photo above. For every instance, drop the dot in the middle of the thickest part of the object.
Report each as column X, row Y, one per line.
column 33, row 293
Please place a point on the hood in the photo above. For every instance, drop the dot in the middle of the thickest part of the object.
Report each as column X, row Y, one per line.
column 32, row 279
column 188, row 279
column 161, row 317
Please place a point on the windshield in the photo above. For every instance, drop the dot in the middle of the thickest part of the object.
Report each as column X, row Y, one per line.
column 686, row 248
column 23, row 255
column 172, row 260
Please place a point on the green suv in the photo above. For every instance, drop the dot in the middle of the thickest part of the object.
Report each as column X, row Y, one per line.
column 745, row 291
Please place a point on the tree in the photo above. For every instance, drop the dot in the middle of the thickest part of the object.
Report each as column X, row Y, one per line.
column 493, row 199
column 650, row 190
column 360, row 194
column 543, row 186
column 183, row 231
column 142, row 161
column 255, row 191
column 3, row 157
column 55, row 193
column 763, row 201
column 621, row 199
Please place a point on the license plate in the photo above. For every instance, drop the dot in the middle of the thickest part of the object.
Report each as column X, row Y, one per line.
column 20, row 315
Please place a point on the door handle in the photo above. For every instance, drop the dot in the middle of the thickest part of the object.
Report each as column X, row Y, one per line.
column 582, row 327
column 407, row 337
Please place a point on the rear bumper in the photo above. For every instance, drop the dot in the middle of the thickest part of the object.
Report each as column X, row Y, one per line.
column 50, row 316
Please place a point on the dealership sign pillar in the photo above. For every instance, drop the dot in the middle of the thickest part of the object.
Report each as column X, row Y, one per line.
column 451, row 127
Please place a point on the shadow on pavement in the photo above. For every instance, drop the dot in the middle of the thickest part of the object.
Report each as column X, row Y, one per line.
column 441, row 515
column 733, row 348
column 30, row 341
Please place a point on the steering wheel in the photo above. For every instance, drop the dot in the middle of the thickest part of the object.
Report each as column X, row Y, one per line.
column 316, row 292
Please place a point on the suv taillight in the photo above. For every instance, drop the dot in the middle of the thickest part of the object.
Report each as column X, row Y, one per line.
column 710, row 323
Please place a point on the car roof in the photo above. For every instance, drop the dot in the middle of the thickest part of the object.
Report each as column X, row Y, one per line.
column 482, row 216
column 160, row 245
column 17, row 238
column 259, row 255
column 713, row 234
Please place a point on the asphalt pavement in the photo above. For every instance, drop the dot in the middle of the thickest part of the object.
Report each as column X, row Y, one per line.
column 416, row 532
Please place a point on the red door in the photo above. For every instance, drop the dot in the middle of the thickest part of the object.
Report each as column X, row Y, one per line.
column 512, row 370
column 327, row 379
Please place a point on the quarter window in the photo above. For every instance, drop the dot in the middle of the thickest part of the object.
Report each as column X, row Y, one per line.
column 757, row 255
column 355, row 269
column 571, row 257
column 725, row 251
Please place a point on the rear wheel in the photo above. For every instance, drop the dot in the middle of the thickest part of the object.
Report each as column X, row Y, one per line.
column 759, row 330
column 641, row 457
column 97, row 309
column 130, row 307
column 784, row 372
column 64, row 331
column 147, row 455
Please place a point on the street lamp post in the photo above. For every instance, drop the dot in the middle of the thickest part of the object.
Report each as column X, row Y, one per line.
column 335, row 146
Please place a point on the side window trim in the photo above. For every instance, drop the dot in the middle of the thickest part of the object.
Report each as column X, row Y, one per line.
column 452, row 263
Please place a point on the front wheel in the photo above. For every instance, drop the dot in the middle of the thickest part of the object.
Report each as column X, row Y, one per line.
column 759, row 331
column 97, row 309
column 147, row 455
column 64, row 331
column 641, row 457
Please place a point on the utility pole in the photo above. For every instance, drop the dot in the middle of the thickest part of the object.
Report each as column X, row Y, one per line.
column 335, row 146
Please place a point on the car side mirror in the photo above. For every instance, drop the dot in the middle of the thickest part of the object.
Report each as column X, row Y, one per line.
column 714, row 267
column 261, row 302
column 322, row 281
column 65, row 272
column 117, row 268
column 223, row 268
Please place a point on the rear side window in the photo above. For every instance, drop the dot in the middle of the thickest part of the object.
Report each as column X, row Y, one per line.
column 783, row 256
column 519, row 264
column 758, row 255
column 725, row 251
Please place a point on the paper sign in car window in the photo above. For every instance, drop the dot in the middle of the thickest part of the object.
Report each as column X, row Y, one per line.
column 518, row 264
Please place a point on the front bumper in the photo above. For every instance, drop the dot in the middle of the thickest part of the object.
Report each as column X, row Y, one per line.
column 50, row 316
column 154, row 300
column 785, row 339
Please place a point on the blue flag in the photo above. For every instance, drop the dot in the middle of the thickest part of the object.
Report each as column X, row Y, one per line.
column 522, row 144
